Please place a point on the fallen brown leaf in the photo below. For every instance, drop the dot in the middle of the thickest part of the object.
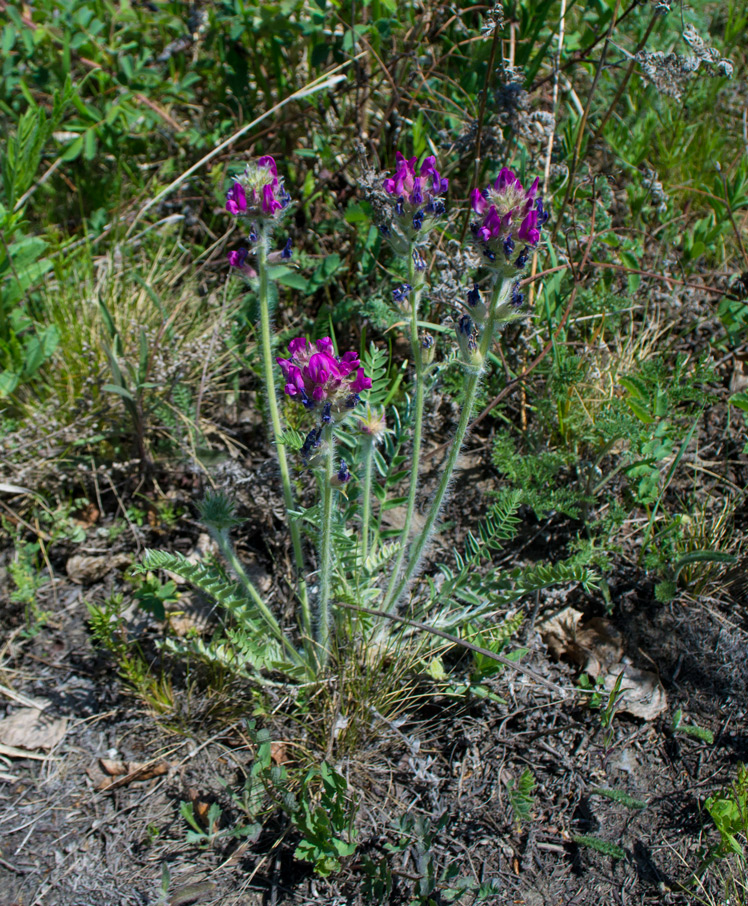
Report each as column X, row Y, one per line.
column 133, row 771
column 32, row 728
column 596, row 648
column 83, row 569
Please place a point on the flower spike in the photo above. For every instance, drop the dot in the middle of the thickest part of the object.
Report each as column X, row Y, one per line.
column 508, row 214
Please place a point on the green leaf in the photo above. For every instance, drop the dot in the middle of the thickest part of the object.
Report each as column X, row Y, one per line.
column 601, row 846
column 89, row 144
column 701, row 557
column 74, row 149
column 121, row 391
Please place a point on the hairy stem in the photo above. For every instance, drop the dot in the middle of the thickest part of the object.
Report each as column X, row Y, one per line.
column 325, row 549
column 368, row 451
column 227, row 549
column 415, row 278
column 269, row 377
column 501, row 291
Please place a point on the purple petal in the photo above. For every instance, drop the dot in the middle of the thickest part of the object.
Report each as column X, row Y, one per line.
column 361, row 382
column 268, row 163
column 297, row 345
column 478, row 201
column 270, row 203
column 236, row 199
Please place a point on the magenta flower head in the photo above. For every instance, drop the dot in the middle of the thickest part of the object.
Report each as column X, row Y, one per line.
column 415, row 200
column 511, row 216
column 315, row 375
column 258, row 193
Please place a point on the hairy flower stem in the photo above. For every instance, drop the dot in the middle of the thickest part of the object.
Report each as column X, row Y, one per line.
column 269, row 376
column 500, row 294
column 415, row 278
column 368, row 454
column 227, row 549
column 325, row 549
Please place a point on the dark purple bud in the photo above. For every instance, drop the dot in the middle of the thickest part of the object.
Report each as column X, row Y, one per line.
column 286, row 253
column 465, row 325
column 285, row 198
column 419, row 260
column 308, row 404
column 352, row 401
column 384, row 229
column 418, row 220
column 427, row 341
column 327, row 414
column 312, row 442
column 253, row 234
column 400, row 293
column 399, row 206
column 508, row 246
column 489, row 254
column 543, row 215
column 343, row 474
column 473, row 297
column 517, row 297
column 522, row 257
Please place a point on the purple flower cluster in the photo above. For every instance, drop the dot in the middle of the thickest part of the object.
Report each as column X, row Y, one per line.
column 258, row 193
column 415, row 194
column 314, row 374
column 510, row 214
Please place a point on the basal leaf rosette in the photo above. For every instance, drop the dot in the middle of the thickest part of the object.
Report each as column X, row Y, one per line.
column 511, row 220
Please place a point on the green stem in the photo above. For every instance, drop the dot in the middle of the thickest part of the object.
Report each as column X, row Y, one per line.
column 325, row 550
column 415, row 278
column 227, row 549
column 368, row 453
column 266, row 344
column 501, row 290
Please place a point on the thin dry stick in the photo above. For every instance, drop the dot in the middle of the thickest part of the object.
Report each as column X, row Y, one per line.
column 457, row 641
column 556, row 74
column 481, row 119
column 583, row 121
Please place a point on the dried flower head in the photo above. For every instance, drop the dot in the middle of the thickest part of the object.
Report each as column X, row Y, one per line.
column 314, row 375
column 373, row 423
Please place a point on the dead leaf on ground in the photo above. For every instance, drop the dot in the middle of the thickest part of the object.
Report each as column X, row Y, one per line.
column 642, row 694
column 124, row 772
column 32, row 728
column 84, row 569
column 279, row 753
column 596, row 648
